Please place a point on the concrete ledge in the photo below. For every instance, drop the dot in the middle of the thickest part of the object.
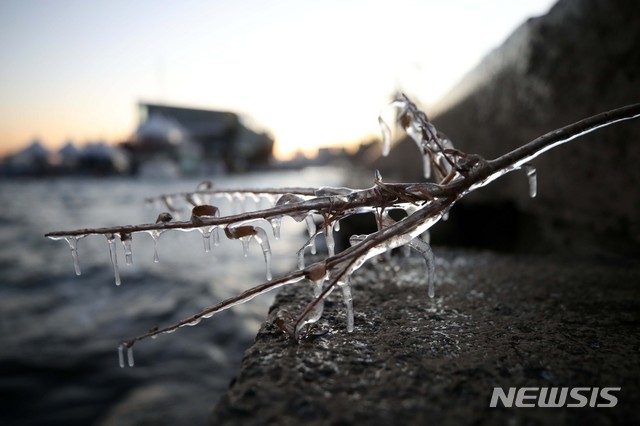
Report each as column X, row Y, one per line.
column 497, row 320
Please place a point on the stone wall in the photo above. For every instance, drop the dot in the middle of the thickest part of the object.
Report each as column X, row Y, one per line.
column 580, row 59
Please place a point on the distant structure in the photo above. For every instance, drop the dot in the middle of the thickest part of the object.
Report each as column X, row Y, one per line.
column 173, row 140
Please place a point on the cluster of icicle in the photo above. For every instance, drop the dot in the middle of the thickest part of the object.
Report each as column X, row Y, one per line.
column 455, row 173
column 434, row 147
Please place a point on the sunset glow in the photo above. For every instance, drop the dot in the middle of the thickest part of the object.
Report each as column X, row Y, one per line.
column 310, row 74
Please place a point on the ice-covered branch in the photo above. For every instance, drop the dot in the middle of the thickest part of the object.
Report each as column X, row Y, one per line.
column 425, row 203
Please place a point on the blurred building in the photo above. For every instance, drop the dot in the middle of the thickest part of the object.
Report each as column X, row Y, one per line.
column 187, row 141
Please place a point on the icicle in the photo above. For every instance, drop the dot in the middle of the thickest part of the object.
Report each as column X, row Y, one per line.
column 206, row 238
column 205, row 185
column 126, row 239
column 156, row 258
column 425, row 250
column 301, row 259
column 406, row 250
column 426, row 166
column 348, row 303
column 316, row 312
column 130, row 361
column 384, row 127
column 533, row 180
column 244, row 234
column 318, row 286
column 275, row 223
column 268, row 199
column 114, row 256
column 238, row 202
column 121, row 356
column 164, row 217
column 216, row 236
column 245, row 245
column 336, row 225
column 73, row 244
column 312, row 244
column 328, row 235
column 229, row 198
column 168, row 201
column 203, row 214
column 311, row 229
column 386, row 136
column 263, row 240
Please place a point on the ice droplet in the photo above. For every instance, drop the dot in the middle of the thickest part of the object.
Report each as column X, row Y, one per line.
column 111, row 239
column 126, row 240
column 275, row 223
column 263, row 240
column 533, row 179
column 348, row 303
column 425, row 250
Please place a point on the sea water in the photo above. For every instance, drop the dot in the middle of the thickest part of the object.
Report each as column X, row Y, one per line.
column 59, row 332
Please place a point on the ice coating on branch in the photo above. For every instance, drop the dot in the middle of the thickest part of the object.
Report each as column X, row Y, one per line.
column 113, row 254
column 356, row 239
column 292, row 199
column 126, row 239
column 348, row 303
column 533, row 179
column 425, row 250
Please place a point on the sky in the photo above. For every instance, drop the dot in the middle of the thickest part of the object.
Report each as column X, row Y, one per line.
column 311, row 73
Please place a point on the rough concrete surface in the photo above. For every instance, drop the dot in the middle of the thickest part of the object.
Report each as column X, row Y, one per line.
column 497, row 320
